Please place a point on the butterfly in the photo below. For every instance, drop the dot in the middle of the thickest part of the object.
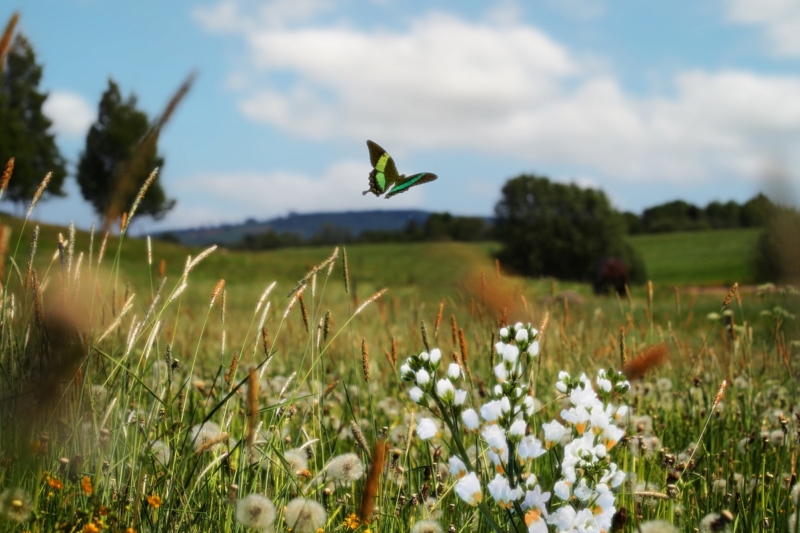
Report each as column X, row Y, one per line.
column 384, row 177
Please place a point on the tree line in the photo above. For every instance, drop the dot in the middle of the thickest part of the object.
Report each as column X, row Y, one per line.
column 120, row 148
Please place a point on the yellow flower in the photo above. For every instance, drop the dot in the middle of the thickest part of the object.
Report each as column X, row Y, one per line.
column 154, row 500
column 86, row 485
column 55, row 483
column 352, row 522
column 90, row 527
column 130, row 530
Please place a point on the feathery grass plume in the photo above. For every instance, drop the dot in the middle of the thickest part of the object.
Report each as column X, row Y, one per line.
column 252, row 407
column 230, row 375
column 304, row 516
column 623, row 357
column 156, row 297
column 729, row 297
column 359, row 436
column 177, row 292
column 125, row 308
column 370, row 300
column 5, row 40
column 126, row 221
column 194, row 262
column 70, row 247
column 424, row 331
column 720, row 394
column 326, row 326
column 162, row 268
column 37, row 300
column 255, row 511
column 38, row 194
column 215, row 292
column 102, row 249
column 438, row 322
column 345, row 271
column 34, row 247
column 8, row 170
column 454, row 329
column 149, row 252
column 365, row 359
column 61, row 254
column 286, row 385
column 462, row 343
column 651, row 358
column 394, row 352
column 389, row 358
column 293, row 301
column 345, row 468
column 330, row 388
column 373, row 482
column 15, row 505
column 123, row 223
column 303, row 310
column 650, row 298
column 151, row 341
column 264, row 296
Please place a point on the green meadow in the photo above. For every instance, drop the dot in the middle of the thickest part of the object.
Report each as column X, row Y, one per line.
column 142, row 397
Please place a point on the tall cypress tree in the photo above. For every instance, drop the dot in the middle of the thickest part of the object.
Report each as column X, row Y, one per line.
column 121, row 151
column 24, row 129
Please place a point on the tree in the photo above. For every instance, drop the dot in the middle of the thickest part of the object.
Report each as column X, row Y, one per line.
column 777, row 256
column 120, row 153
column 552, row 229
column 24, row 129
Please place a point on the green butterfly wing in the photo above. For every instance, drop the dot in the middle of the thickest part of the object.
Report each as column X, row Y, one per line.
column 405, row 183
column 384, row 172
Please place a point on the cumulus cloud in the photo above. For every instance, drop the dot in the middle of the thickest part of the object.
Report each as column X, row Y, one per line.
column 71, row 113
column 233, row 196
column 780, row 20
column 508, row 88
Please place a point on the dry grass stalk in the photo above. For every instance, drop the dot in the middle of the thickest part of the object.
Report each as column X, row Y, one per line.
column 6, row 175
column 462, row 343
column 126, row 220
column 5, row 40
column 194, row 262
column 264, row 296
column 102, row 249
column 326, row 326
column 623, row 357
column 359, row 436
column 365, row 359
column 303, row 311
column 389, row 358
column 330, row 388
column 424, row 331
column 265, row 340
column 729, row 297
column 370, row 300
column 651, row 358
column 38, row 194
column 5, row 237
column 215, row 292
column 230, row 376
column 720, row 394
column 123, row 222
column 373, row 482
column 293, row 301
column 117, row 321
column 394, row 352
column 438, row 321
column 162, row 268
column 454, row 329
column 37, row 300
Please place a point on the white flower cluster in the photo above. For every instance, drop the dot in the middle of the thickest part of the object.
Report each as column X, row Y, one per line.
column 506, row 423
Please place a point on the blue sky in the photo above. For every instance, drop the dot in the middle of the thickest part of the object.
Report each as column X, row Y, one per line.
column 651, row 101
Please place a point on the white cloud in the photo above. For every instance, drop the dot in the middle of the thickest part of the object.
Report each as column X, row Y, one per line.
column 780, row 20
column 71, row 113
column 507, row 88
column 233, row 15
column 229, row 197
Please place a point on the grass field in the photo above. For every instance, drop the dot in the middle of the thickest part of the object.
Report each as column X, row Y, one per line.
column 717, row 257
column 179, row 412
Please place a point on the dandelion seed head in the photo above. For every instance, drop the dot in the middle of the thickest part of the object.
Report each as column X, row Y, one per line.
column 161, row 452
column 296, row 460
column 304, row 516
column 346, row 468
column 15, row 505
column 204, row 434
column 255, row 511
column 427, row 526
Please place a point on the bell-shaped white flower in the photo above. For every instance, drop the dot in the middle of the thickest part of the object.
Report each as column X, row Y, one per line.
column 454, row 371
column 416, row 394
column 426, row 429
column 445, row 390
column 471, row 420
column 469, row 490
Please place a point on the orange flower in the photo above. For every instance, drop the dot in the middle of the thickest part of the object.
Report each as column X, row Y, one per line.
column 91, row 527
column 130, row 530
column 154, row 500
column 352, row 521
column 86, row 485
column 55, row 483
column 103, row 511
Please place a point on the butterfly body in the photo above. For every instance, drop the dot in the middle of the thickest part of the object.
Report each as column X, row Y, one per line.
column 384, row 177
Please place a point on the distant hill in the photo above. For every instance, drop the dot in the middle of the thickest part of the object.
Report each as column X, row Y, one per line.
column 305, row 225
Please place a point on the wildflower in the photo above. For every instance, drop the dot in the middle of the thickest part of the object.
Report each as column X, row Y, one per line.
column 533, row 349
column 530, row 448
column 15, row 505
column 517, row 430
column 502, row 492
column 427, row 429
column 453, row 371
column 423, row 377
column 304, row 516
column 445, row 390
column 553, row 433
column 86, row 485
column 468, row 489
column 435, row 357
column 345, row 468
column 255, row 511
column 427, row 526
column 154, row 500
column 416, row 394
column 352, row 521
column 55, row 483
column 458, row 468
column 204, row 435
column 91, row 527
column 714, row 522
column 495, row 437
column 470, row 419
column 461, row 397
